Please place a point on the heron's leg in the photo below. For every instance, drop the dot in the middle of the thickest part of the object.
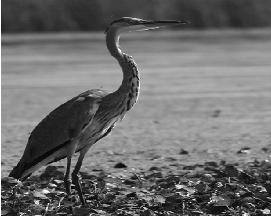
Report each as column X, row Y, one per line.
column 67, row 178
column 75, row 177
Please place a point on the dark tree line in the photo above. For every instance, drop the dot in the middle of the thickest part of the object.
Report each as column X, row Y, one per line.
column 74, row 15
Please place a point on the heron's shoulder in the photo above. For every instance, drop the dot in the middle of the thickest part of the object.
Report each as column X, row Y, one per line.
column 93, row 93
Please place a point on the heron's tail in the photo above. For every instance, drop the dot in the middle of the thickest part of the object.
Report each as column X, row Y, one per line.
column 26, row 167
column 18, row 171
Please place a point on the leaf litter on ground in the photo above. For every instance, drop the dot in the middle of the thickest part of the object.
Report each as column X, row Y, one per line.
column 208, row 189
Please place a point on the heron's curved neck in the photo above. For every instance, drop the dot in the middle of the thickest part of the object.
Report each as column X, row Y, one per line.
column 129, row 68
column 112, row 42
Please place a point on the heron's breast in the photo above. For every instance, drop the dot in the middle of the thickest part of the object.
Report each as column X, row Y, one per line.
column 96, row 130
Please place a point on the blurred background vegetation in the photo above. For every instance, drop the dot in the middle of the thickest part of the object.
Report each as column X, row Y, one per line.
column 85, row 15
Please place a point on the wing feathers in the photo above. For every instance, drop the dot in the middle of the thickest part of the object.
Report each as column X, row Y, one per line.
column 57, row 129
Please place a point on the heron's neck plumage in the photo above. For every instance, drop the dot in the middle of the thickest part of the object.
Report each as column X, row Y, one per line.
column 130, row 84
column 112, row 42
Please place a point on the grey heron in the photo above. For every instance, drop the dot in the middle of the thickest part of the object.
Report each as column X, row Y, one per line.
column 83, row 120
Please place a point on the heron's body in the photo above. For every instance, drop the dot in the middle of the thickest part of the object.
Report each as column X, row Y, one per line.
column 80, row 122
column 84, row 119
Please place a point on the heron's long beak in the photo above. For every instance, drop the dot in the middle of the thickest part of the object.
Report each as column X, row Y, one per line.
column 154, row 24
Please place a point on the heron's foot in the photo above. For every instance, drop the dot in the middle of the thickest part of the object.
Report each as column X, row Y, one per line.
column 77, row 184
column 67, row 184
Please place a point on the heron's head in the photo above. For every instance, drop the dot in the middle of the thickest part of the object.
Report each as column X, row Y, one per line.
column 129, row 24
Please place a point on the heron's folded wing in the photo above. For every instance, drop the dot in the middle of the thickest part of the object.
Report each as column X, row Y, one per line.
column 61, row 125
